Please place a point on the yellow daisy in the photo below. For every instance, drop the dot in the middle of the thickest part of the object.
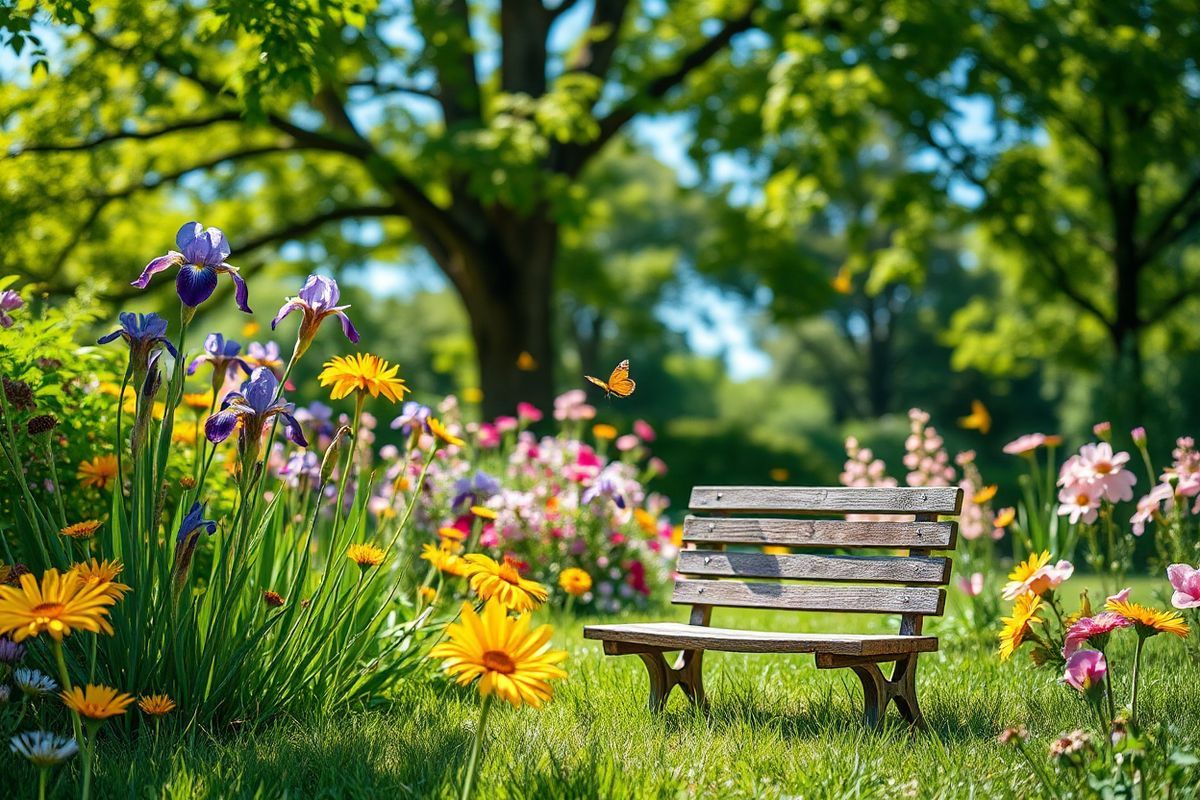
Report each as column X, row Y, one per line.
column 1016, row 627
column 646, row 521
column 509, row 660
column 59, row 605
column 102, row 574
column 362, row 372
column 440, row 431
column 156, row 705
column 604, row 431
column 574, row 581
column 365, row 555
column 98, row 472
column 96, row 702
column 449, row 533
column 483, row 512
column 82, row 530
column 1149, row 621
column 1005, row 517
column 1024, row 571
column 502, row 582
column 198, row 401
column 444, row 559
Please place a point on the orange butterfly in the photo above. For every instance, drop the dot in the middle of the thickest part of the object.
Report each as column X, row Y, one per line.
column 619, row 383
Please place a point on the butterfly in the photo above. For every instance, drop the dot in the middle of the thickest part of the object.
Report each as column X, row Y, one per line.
column 619, row 383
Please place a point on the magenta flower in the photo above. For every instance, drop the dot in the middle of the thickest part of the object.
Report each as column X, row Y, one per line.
column 1138, row 435
column 1085, row 670
column 527, row 412
column 1088, row 628
column 1185, row 580
column 9, row 301
column 318, row 299
column 201, row 260
column 643, row 430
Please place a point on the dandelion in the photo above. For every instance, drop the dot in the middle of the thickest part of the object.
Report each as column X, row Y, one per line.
column 428, row 593
column 201, row 260
column 98, row 472
column 102, row 574
column 449, row 533
column 34, row 683
column 59, row 605
column 198, row 401
column 1017, row 627
column 365, row 555
column 504, row 583
column 443, row 434
column 1004, row 517
column 363, row 373
column 575, row 581
column 317, row 300
column 82, row 530
column 156, row 705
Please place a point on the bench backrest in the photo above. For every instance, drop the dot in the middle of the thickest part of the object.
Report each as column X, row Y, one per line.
column 901, row 518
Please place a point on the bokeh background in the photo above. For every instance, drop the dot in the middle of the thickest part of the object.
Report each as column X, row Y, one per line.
column 796, row 219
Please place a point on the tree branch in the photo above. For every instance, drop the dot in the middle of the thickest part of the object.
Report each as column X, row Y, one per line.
column 1165, row 233
column 577, row 156
column 1173, row 301
column 562, row 8
column 302, row 227
column 384, row 87
column 113, row 136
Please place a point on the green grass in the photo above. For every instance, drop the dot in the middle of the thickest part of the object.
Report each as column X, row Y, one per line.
column 777, row 727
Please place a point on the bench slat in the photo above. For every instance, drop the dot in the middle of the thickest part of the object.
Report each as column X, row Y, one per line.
column 862, row 599
column 820, row 532
column 829, row 500
column 632, row 637
column 865, row 569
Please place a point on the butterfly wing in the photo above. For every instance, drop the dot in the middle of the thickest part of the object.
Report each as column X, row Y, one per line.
column 619, row 382
column 598, row 382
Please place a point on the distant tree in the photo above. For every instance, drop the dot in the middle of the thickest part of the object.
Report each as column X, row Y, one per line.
column 461, row 128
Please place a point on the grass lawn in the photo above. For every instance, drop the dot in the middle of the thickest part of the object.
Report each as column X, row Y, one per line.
column 778, row 727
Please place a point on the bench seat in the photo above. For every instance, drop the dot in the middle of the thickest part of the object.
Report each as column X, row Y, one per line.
column 628, row 637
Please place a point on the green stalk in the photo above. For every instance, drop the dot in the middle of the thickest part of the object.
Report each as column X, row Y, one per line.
column 1137, row 668
column 63, row 676
column 89, row 750
column 477, row 745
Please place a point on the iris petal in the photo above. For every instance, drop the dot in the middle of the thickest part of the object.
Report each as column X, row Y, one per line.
column 218, row 427
column 195, row 284
column 157, row 265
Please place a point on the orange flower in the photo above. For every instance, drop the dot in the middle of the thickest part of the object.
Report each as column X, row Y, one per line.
column 98, row 472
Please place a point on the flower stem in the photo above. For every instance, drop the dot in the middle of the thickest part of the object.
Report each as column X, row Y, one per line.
column 88, row 750
column 42, row 782
column 66, row 683
column 473, row 764
column 1137, row 668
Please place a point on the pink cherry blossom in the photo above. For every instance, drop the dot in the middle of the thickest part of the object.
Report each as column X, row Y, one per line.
column 1085, row 669
column 1185, row 580
column 1087, row 628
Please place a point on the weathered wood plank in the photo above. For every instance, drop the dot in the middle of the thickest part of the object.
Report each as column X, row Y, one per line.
column 829, row 500
column 639, row 637
column 862, row 569
column 797, row 597
column 820, row 532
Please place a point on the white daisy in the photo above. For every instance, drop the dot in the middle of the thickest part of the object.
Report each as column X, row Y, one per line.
column 43, row 748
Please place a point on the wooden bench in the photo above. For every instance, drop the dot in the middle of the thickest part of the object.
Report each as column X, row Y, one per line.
column 882, row 583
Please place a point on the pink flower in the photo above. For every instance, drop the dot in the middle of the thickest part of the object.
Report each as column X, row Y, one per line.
column 506, row 424
column 1148, row 506
column 973, row 586
column 1138, row 435
column 1085, row 670
column 1120, row 597
column 527, row 412
column 1087, row 628
column 643, row 430
column 488, row 436
column 627, row 442
column 1185, row 581
column 1102, row 430
column 1078, row 502
column 572, row 405
column 1025, row 444
column 1097, row 465
column 1051, row 576
column 657, row 466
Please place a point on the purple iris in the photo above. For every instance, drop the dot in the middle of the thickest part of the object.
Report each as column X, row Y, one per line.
column 144, row 333
column 265, row 355
column 474, row 490
column 222, row 353
column 317, row 300
column 11, row 301
column 412, row 415
column 255, row 405
column 201, row 260
column 190, row 528
column 605, row 485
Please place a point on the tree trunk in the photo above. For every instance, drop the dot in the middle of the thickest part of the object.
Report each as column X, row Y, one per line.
column 1127, row 323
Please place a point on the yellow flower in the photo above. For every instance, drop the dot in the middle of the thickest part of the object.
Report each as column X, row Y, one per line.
column 58, row 606
column 97, row 472
column 102, row 574
column 776, row 550
column 502, row 582
column 365, row 555
column 510, row 661
column 362, row 372
column 841, row 282
column 483, row 512
column 779, row 474
column 449, row 533
column 1149, row 621
column 82, row 530
column 646, row 521
column 472, row 395
column 250, row 329
column 574, row 581
column 1005, row 517
column 439, row 430
column 96, row 702
column 185, row 432
column 979, row 419
column 1024, row 571
column 199, row 401
column 604, row 431
column 428, row 593
column 677, row 536
column 444, row 559
column 526, row 362
column 1016, row 627
column 156, row 705
column 985, row 494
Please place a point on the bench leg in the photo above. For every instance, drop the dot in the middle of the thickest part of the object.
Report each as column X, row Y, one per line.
column 875, row 693
column 904, row 690
column 686, row 674
column 879, row 691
